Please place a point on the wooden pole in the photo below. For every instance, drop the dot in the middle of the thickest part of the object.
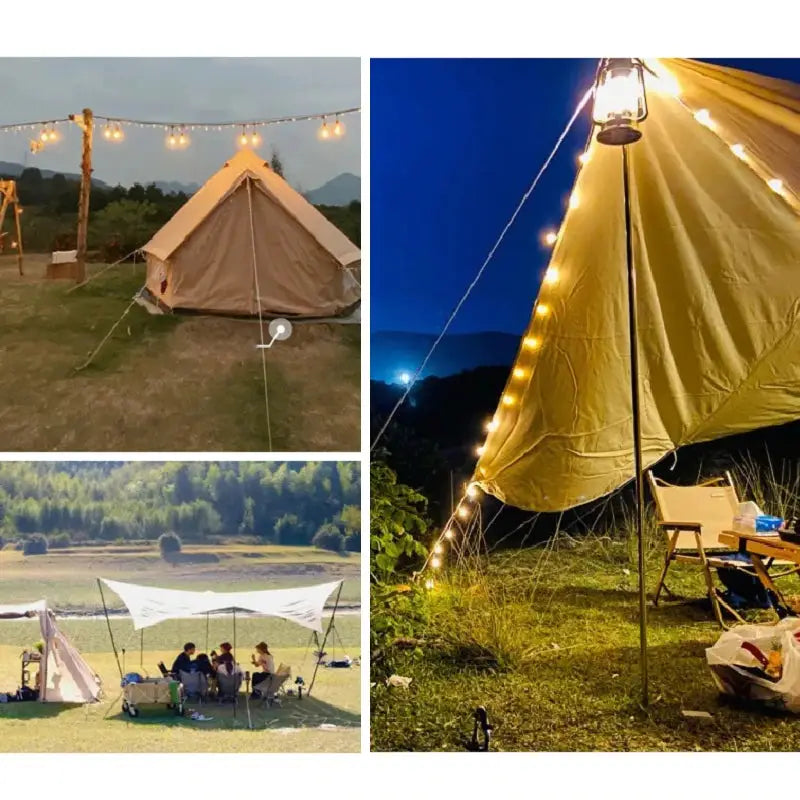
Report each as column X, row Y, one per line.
column 17, row 215
column 86, row 123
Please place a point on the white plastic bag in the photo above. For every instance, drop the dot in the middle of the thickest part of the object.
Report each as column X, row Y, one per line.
column 745, row 519
column 736, row 670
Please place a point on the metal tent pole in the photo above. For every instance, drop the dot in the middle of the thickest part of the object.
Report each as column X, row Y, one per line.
column 637, row 423
column 325, row 639
column 236, row 698
column 206, row 631
column 108, row 623
column 141, row 648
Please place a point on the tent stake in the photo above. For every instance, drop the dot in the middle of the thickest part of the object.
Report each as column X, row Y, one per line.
column 325, row 639
column 110, row 632
column 637, row 424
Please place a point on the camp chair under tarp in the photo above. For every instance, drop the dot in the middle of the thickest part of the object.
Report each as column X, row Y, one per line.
column 693, row 518
column 195, row 685
column 272, row 685
column 228, row 685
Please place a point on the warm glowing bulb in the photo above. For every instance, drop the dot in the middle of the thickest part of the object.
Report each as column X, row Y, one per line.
column 491, row 425
column 585, row 157
column 44, row 136
column 542, row 310
column 448, row 534
column 551, row 275
column 550, row 238
column 574, row 202
column 53, row 135
column 118, row 134
column 255, row 139
column 13, row 245
column 531, row 342
column 472, row 491
column 338, row 128
column 429, row 583
column 324, row 131
column 508, row 400
column 436, row 562
column 171, row 141
column 776, row 184
column 107, row 132
column 438, row 548
column 738, row 151
column 479, row 450
column 280, row 329
column 519, row 372
column 704, row 118
column 243, row 139
column 463, row 512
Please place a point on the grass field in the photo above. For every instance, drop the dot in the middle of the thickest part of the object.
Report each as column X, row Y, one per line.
column 547, row 640
column 172, row 382
column 67, row 578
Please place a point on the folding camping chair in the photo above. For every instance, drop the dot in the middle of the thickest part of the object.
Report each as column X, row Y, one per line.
column 693, row 517
column 270, row 687
column 195, row 685
column 228, row 685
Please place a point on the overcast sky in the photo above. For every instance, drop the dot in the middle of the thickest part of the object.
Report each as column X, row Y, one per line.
column 183, row 89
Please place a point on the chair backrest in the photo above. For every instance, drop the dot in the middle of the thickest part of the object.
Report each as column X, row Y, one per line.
column 712, row 503
column 270, row 687
column 228, row 684
column 194, row 683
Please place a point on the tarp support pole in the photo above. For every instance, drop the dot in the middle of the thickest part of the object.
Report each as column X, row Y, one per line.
column 637, row 424
column 206, row 631
column 108, row 623
column 235, row 699
column 325, row 639
column 141, row 648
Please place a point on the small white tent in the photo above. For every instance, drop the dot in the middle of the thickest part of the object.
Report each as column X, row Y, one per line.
column 65, row 676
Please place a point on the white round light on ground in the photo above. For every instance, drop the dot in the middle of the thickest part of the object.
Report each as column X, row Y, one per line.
column 280, row 329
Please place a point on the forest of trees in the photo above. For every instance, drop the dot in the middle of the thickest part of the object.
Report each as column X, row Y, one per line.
column 292, row 503
column 121, row 220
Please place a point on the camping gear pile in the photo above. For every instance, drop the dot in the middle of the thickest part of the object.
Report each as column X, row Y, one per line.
column 138, row 691
column 759, row 663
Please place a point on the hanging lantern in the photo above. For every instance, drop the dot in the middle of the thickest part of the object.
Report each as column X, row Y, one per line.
column 620, row 101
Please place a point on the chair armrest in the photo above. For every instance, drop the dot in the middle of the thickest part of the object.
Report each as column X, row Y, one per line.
column 679, row 526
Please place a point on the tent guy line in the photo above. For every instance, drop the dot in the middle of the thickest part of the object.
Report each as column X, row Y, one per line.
column 587, row 95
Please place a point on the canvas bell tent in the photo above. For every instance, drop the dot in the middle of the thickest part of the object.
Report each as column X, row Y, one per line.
column 248, row 243
column 64, row 675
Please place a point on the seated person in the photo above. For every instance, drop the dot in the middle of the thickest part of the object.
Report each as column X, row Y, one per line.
column 203, row 665
column 183, row 663
column 224, row 660
column 264, row 661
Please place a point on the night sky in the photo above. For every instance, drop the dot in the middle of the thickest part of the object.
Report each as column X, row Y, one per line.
column 454, row 145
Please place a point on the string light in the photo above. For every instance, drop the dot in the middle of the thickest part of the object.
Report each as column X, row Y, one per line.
column 479, row 450
column 438, row 548
column 471, row 491
column 508, row 400
column 429, row 583
column 243, row 137
column 550, row 238
column 338, row 128
column 519, row 372
column 255, row 139
column 324, row 132
column 436, row 562
column 738, row 151
column 574, row 201
column 585, row 157
column 491, row 425
column 551, row 275
column 542, row 309
column 107, row 131
column 462, row 512
column 530, row 342
column 183, row 139
column 172, row 139
column 448, row 534
column 704, row 118
column 117, row 135
column 776, row 184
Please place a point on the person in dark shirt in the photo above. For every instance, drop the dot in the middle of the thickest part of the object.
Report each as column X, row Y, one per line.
column 183, row 663
column 203, row 664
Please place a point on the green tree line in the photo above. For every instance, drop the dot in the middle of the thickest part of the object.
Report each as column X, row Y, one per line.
column 120, row 219
column 291, row 503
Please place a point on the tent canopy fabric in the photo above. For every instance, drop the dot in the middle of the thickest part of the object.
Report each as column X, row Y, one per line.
column 202, row 259
column 65, row 677
column 717, row 255
column 19, row 611
column 150, row 605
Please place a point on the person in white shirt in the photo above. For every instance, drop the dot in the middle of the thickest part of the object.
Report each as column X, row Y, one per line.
column 262, row 660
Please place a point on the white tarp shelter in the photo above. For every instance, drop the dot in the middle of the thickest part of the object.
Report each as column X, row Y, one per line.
column 64, row 675
column 149, row 605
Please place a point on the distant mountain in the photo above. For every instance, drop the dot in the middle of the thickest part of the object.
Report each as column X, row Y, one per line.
column 15, row 170
column 176, row 187
column 394, row 352
column 338, row 191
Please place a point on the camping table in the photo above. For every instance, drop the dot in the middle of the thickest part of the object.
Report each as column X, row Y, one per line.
column 758, row 546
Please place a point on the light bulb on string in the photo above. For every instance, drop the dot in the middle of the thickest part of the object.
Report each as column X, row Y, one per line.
column 508, row 400
column 462, row 512
column 438, row 548
column 255, row 139
column 243, row 138
column 530, row 342
column 704, row 118
column 436, row 562
column 448, row 534
column 44, row 135
column 107, row 132
column 324, row 131
column 776, row 184
column 551, row 275
column 338, row 128
column 550, row 238
column 585, row 157
column 429, row 584
column 519, row 372
column 491, row 425
column 738, row 151
column 183, row 138
column 471, row 491
column 172, row 139
column 542, row 309
column 479, row 450
column 117, row 135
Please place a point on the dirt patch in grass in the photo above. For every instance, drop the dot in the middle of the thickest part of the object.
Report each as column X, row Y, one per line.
column 173, row 382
